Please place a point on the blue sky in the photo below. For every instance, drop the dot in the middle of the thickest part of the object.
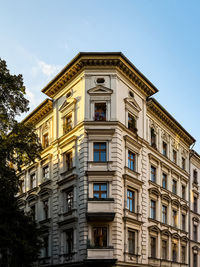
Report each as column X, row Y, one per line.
column 161, row 38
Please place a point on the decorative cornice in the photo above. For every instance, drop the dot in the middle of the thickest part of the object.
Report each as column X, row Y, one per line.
column 104, row 60
column 157, row 110
column 40, row 112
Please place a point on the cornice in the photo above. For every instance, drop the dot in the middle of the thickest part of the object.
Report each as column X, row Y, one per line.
column 103, row 60
column 157, row 110
column 40, row 112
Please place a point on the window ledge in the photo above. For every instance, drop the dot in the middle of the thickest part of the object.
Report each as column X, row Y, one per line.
column 95, row 247
column 153, row 220
column 102, row 162
column 45, row 221
column 32, row 190
column 134, row 172
column 66, row 172
column 45, row 182
column 101, row 199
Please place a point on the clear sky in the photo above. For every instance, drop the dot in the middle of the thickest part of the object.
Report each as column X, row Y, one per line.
column 160, row 37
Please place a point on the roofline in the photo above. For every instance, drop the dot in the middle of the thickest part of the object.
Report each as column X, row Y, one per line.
column 37, row 109
column 80, row 54
column 194, row 153
column 171, row 117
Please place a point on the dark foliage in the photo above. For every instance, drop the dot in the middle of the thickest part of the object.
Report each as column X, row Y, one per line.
column 19, row 145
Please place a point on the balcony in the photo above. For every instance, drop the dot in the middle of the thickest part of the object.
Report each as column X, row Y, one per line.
column 100, row 210
column 100, row 253
column 100, row 165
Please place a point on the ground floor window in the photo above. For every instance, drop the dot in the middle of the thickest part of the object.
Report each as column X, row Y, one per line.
column 100, row 236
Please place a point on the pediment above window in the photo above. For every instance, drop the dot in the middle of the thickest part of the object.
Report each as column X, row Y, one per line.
column 154, row 228
column 68, row 104
column 131, row 103
column 45, row 192
column 32, row 198
column 165, row 232
column 175, row 236
column 100, row 90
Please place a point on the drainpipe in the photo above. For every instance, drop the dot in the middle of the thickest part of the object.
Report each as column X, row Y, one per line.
column 189, row 224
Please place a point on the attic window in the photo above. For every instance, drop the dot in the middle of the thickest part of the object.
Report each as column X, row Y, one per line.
column 100, row 80
column 131, row 94
column 68, row 94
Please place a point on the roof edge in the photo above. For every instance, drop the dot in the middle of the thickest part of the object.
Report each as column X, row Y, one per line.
column 89, row 54
column 152, row 99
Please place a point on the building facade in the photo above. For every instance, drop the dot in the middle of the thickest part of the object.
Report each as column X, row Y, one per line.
column 194, row 208
column 113, row 185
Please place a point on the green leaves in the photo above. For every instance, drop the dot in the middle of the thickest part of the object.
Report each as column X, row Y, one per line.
column 19, row 145
column 12, row 100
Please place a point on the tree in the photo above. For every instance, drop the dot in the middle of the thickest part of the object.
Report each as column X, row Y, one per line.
column 19, row 235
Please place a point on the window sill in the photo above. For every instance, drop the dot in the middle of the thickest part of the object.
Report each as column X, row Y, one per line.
column 101, row 199
column 102, row 162
column 95, row 247
column 45, row 221
column 32, row 190
column 66, row 172
column 45, row 182
column 133, row 171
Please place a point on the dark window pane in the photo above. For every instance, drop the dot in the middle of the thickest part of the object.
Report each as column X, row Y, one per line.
column 100, row 111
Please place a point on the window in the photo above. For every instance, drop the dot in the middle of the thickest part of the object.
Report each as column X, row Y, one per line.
column 100, row 190
column 174, row 218
column 174, row 156
column 195, row 177
column 195, row 232
column 164, row 214
column 68, row 161
column 22, row 187
column 100, row 236
column 164, row 180
column 67, row 126
column 164, row 149
column 32, row 211
column 100, row 80
column 100, row 111
column 69, row 241
column 153, row 210
column 153, row 138
column 69, row 200
column 32, row 181
column 45, row 140
column 131, row 160
column 153, row 174
column 46, row 245
column 100, row 152
column 46, row 209
column 195, row 204
column 195, row 260
column 164, row 249
column 174, row 252
column 183, row 163
column 131, row 200
column 132, row 123
column 153, row 247
column 46, row 172
column 131, row 242
column 183, row 254
column 174, row 186
column 183, row 191
column 183, row 222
